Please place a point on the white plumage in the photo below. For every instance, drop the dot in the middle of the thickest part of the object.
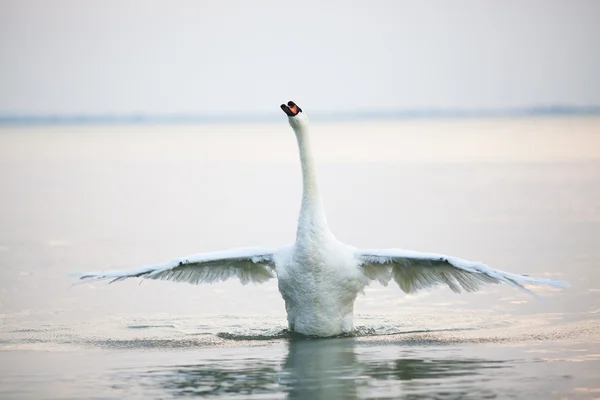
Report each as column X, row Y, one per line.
column 318, row 276
column 249, row 264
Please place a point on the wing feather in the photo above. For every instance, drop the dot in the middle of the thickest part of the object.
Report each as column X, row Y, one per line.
column 413, row 271
column 247, row 264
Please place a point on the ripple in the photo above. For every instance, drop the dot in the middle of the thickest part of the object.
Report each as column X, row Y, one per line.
column 151, row 326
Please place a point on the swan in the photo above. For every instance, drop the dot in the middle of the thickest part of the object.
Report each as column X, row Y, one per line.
column 318, row 276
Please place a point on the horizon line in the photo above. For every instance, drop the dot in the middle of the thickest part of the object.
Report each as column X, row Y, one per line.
column 333, row 116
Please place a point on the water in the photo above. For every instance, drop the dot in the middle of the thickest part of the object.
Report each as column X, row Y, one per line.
column 521, row 195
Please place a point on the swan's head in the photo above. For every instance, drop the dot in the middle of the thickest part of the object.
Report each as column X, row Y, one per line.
column 296, row 117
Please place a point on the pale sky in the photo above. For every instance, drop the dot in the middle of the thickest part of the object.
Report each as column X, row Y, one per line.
column 222, row 57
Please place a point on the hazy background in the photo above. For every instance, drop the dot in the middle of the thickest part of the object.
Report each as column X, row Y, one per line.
column 520, row 194
column 228, row 57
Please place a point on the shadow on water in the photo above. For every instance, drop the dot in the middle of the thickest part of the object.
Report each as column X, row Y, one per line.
column 329, row 369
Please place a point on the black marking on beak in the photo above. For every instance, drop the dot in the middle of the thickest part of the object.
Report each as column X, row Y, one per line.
column 291, row 109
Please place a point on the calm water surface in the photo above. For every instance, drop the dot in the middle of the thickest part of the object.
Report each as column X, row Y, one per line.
column 521, row 195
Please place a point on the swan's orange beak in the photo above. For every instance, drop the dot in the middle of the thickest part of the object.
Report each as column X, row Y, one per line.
column 291, row 109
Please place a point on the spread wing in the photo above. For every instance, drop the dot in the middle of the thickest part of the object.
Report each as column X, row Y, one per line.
column 413, row 271
column 247, row 264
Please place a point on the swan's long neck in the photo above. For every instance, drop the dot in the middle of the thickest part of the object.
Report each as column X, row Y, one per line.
column 312, row 220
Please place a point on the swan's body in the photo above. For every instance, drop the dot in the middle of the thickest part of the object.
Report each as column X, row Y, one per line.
column 319, row 277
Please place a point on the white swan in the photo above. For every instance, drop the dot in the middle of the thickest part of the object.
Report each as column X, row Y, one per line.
column 319, row 277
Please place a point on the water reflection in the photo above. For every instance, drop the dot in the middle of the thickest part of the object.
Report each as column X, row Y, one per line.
column 321, row 369
column 331, row 369
column 206, row 380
